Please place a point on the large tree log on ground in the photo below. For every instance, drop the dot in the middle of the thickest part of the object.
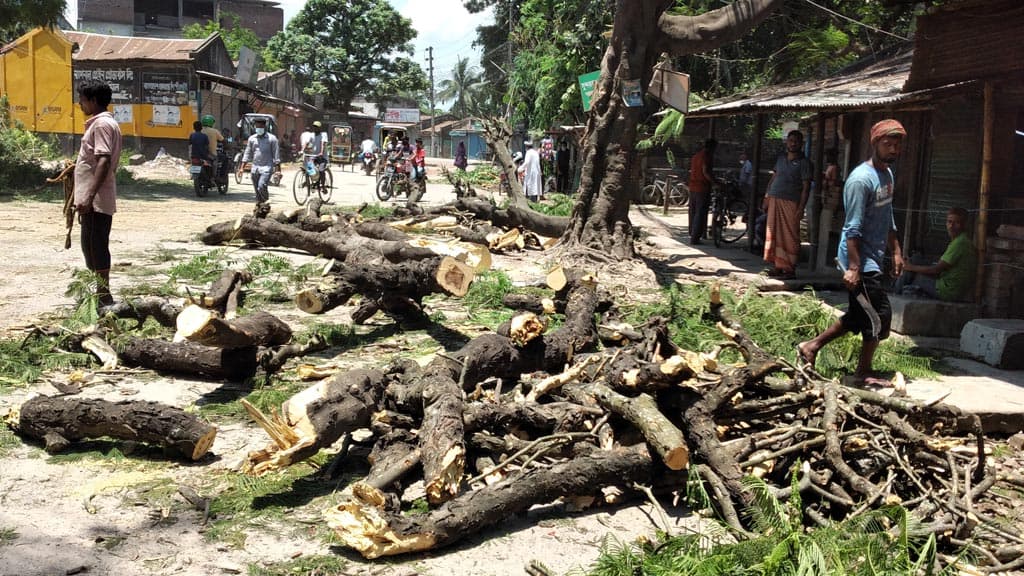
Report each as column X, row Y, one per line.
column 442, row 438
column 329, row 244
column 222, row 288
column 374, row 532
column 316, row 418
column 411, row 280
column 643, row 412
column 511, row 217
column 60, row 421
column 189, row 358
column 206, row 327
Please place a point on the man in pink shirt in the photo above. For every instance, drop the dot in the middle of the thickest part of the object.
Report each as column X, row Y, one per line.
column 95, row 183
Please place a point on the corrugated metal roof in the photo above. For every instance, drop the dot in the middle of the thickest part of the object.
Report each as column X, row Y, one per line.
column 878, row 84
column 93, row 47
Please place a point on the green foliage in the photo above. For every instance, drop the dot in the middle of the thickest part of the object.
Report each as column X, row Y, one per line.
column 482, row 175
column 319, row 565
column 555, row 42
column 8, row 440
column 377, row 210
column 346, row 48
column 21, row 152
column 484, row 297
column 777, row 324
column 202, row 268
column 19, row 16
column 123, row 175
column 235, row 37
column 556, row 205
column 884, row 541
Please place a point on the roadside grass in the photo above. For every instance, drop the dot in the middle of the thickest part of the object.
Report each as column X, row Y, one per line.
column 244, row 501
column 311, row 565
column 483, row 300
column 8, row 536
column 555, row 205
column 267, row 398
column 8, row 440
column 202, row 268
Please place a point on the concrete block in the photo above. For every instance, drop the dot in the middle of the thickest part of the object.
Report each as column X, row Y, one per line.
column 996, row 341
column 921, row 317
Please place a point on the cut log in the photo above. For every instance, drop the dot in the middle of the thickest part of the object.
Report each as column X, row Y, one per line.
column 315, row 418
column 410, row 280
column 189, row 358
column 442, row 437
column 363, row 525
column 60, row 421
column 221, row 289
column 393, row 456
column 159, row 309
column 329, row 244
column 205, row 327
column 643, row 412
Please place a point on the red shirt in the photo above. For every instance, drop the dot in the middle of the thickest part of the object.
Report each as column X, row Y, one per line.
column 420, row 158
column 698, row 183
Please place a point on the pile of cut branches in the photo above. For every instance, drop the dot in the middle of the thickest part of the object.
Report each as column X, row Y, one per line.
column 591, row 410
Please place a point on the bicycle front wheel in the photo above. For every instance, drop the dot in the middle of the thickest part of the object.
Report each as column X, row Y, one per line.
column 326, row 187
column 300, row 187
column 650, row 194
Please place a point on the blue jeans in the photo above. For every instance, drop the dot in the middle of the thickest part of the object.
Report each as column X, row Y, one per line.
column 261, row 181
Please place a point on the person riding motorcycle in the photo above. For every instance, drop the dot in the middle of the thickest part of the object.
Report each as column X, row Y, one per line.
column 419, row 161
column 218, row 156
column 368, row 153
column 199, row 152
column 212, row 133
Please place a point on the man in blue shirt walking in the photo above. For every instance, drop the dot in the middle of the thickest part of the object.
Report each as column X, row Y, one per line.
column 869, row 230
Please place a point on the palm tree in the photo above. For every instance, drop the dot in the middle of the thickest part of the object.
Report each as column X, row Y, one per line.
column 462, row 87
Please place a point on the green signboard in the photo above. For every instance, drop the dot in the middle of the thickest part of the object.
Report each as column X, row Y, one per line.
column 587, row 87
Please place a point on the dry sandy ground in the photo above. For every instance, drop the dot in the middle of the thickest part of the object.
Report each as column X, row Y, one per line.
column 124, row 518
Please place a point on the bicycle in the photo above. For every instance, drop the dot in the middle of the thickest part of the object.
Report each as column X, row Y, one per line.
column 654, row 193
column 727, row 209
column 304, row 184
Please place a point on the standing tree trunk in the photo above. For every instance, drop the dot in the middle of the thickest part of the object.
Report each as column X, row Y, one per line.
column 641, row 33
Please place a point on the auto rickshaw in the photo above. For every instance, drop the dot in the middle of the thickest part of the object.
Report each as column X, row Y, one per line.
column 341, row 145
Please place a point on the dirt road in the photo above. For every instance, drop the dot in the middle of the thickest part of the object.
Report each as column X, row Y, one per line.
column 105, row 514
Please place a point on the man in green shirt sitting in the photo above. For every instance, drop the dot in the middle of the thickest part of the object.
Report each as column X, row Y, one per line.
column 952, row 277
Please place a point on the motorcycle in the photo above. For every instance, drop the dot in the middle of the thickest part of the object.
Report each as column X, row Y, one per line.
column 201, row 172
column 397, row 180
column 222, row 169
column 369, row 161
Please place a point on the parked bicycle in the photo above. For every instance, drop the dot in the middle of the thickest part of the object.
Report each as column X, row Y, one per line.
column 728, row 212
column 654, row 193
column 309, row 180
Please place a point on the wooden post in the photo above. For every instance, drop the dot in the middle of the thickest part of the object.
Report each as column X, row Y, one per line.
column 752, row 205
column 981, row 232
column 665, row 196
column 815, row 201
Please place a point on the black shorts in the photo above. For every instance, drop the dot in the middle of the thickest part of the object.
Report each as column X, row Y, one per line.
column 857, row 320
column 96, row 239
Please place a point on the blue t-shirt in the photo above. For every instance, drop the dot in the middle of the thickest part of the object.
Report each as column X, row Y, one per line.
column 868, row 198
column 199, row 145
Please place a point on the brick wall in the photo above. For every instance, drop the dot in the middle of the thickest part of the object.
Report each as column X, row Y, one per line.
column 119, row 11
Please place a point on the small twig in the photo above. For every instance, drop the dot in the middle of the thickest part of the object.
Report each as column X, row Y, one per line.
column 666, row 526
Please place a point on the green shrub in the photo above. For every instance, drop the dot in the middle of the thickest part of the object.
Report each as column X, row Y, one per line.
column 21, row 153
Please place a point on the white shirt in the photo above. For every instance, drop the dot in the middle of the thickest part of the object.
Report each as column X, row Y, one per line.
column 530, row 168
column 312, row 143
column 368, row 146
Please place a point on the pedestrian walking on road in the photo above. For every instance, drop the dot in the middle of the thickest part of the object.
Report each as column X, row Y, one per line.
column 264, row 154
column 461, row 161
column 96, row 182
column 869, row 230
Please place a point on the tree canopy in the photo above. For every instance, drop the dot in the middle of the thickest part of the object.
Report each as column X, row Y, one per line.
column 19, row 16
column 463, row 88
column 235, row 37
column 345, row 48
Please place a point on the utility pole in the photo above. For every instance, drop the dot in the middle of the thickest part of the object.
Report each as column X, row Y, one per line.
column 430, row 60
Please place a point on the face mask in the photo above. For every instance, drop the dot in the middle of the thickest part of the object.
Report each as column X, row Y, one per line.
column 261, row 131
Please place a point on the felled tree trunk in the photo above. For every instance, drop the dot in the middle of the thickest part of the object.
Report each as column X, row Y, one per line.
column 60, row 421
column 375, row 532
column 411, row 280
column 222, row 289
column 206, row 327
column 189, row 358
column 512, row 217
column 140, row 309
column 315, row 418
column 329, row 244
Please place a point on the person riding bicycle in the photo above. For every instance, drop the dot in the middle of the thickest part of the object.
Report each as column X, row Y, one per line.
column 314, row 147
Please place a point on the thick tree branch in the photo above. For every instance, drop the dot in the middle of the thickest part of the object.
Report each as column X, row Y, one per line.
column 681, row 35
